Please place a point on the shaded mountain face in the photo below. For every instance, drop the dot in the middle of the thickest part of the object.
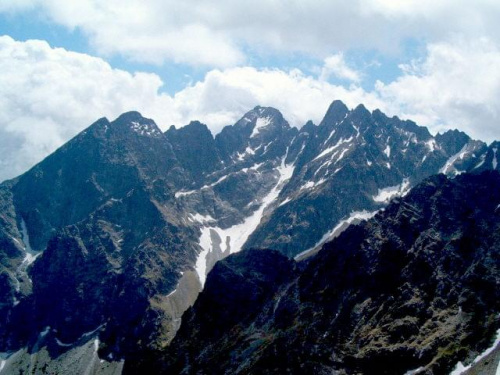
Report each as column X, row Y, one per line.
column 113, row 235
column 417, row 286
column 93, row 239
column 195, row 149
column 97, row 245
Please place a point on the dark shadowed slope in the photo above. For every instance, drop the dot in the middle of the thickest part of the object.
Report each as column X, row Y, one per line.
column 417, row 286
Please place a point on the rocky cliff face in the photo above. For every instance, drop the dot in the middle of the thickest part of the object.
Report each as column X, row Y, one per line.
column 415, row 287
column 101, row 219
column 355, row 161
column 113, row 235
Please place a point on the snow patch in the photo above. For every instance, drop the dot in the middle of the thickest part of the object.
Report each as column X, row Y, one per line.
column 307, row 185
column 431, row 145
column 386, row 194
column 266, row 147
column 301, row 149
column 201, row 262
column 185, row 193
column 494, row 162
column 355, row 215
column 460, row 368
column 449, row 167
column 342, row 154
column 249, row 151
column 483, row 159
column 82, row 337
column 171, row 293
column 26, row 238
column 285, row 202
column 233, row 238
column 326, row 164
column 415, row 372
column 29, row 256
column 63, row 344
column 261, row 123
column 256, row 166
column 333, row 148
column 329, row 137
column 16, row 240
column 189, row 192
column 145, row 129
column 312, row 184
column 45, row 332
column 387, row 151
column 201, row 218
column 357, row 129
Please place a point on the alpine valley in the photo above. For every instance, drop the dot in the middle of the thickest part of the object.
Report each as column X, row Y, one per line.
column 361, row 245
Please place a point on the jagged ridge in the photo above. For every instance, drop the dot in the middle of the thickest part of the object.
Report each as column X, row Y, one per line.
column 417, row 286
column 124, row 212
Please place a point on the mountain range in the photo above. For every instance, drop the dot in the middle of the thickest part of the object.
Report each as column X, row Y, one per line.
column 108, row 241
column 415, row 287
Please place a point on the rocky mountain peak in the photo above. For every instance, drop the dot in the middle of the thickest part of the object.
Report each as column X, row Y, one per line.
column 129, row 116
column 269, row 125
column 195, row 149
column 262, row 119
column 422, row 133
column 138, row 124
column 452, row 140
column 261, row 131
column 360, row 108
column 335, row 113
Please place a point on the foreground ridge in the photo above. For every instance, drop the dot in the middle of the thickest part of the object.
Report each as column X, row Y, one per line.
column 415, row 287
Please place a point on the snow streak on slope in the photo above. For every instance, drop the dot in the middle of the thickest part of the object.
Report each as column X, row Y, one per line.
column 449, row 168
column 261, row 122
column 386, row 194
column 184, row 193
column 339, row 228
column 333, row 148
column 29, row 256
column 201, row 262
column 460, row 368
column 233, row 238
column 415, row 372
column 387, row 151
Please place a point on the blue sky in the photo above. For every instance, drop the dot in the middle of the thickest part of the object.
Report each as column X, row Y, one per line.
column 64, row 64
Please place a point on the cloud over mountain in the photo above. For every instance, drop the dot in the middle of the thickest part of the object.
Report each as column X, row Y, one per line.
column 50, row 94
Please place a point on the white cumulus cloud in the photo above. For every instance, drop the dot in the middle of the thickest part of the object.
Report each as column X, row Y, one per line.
column 222, row 33
column 456, row 85
column 223, row 96
column 336, row 65
column 48, row 95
